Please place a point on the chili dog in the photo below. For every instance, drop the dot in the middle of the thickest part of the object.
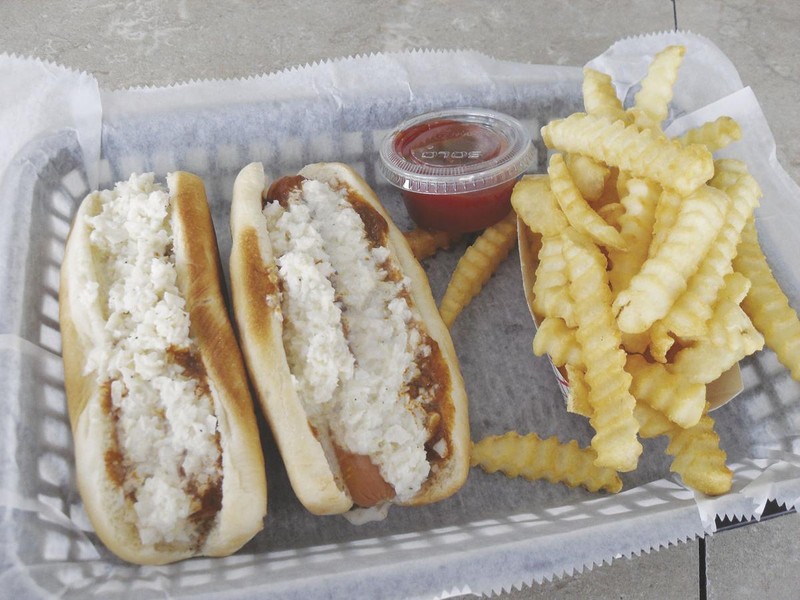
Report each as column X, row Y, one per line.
column 353, row 367
column 167, row 450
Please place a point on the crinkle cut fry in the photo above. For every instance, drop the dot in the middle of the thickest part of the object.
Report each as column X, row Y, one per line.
column 599, row 96
column 766, row 304
column 697, row 456
column 551, row 287
column 636, row 228
column 557, row 339
column 732, row 328
column 578, row 397
column 661, row 342
column 667, row 209
column 645, row 153
column 682, row 402
column 425, row 243
column 691, row 311
column 589, row 175
column 727, row 172
column 478, row 264
column 531, row 457
column 614, row 180
column 611, row 213
column 663, row 277
column 652, row 423
column 731, row 337
column 651, row 103
column 535, row 204
column 714, row 135
column 612, row 405
column 578, row 212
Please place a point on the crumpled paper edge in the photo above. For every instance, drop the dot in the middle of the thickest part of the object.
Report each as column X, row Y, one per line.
column 310, row 67
column 305, row 67
column 88, row 131
column 320, row 76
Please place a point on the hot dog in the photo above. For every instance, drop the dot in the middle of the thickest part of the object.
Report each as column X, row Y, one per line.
column 353, row 367
column 167, row 450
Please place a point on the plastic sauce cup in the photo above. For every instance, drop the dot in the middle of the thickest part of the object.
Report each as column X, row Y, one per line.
column 456, row 168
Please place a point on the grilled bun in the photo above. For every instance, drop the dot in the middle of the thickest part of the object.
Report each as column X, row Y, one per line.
column 167, row 450
column 351, row 362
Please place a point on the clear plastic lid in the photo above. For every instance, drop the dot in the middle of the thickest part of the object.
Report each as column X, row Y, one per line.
column 456, row 151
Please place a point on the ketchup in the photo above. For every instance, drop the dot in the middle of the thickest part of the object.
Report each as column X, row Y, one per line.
column 459, row 213
column 456, row 168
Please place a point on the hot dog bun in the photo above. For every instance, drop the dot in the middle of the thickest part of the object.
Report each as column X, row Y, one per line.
column 167, row 450
column 352, row 364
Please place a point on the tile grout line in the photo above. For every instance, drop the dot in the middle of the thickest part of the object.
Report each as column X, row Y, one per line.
column 675, row 13
column 702, row 568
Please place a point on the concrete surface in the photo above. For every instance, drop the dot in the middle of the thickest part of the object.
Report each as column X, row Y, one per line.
column 758, row 561
column 669, row 574
column 149, row 42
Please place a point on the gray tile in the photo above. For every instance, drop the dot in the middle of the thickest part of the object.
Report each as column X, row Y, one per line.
column 755, row 561
column 671, row 573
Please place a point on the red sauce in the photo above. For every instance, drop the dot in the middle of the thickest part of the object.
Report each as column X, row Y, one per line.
column 460, row 213
column 456, row 168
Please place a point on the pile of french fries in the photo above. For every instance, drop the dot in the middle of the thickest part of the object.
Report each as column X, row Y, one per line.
column 649, row 284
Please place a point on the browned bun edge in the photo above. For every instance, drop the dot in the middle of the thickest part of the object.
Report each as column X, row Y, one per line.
column 243, row 504
column 257, row 311
column 244, row 485
column 258, row 315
